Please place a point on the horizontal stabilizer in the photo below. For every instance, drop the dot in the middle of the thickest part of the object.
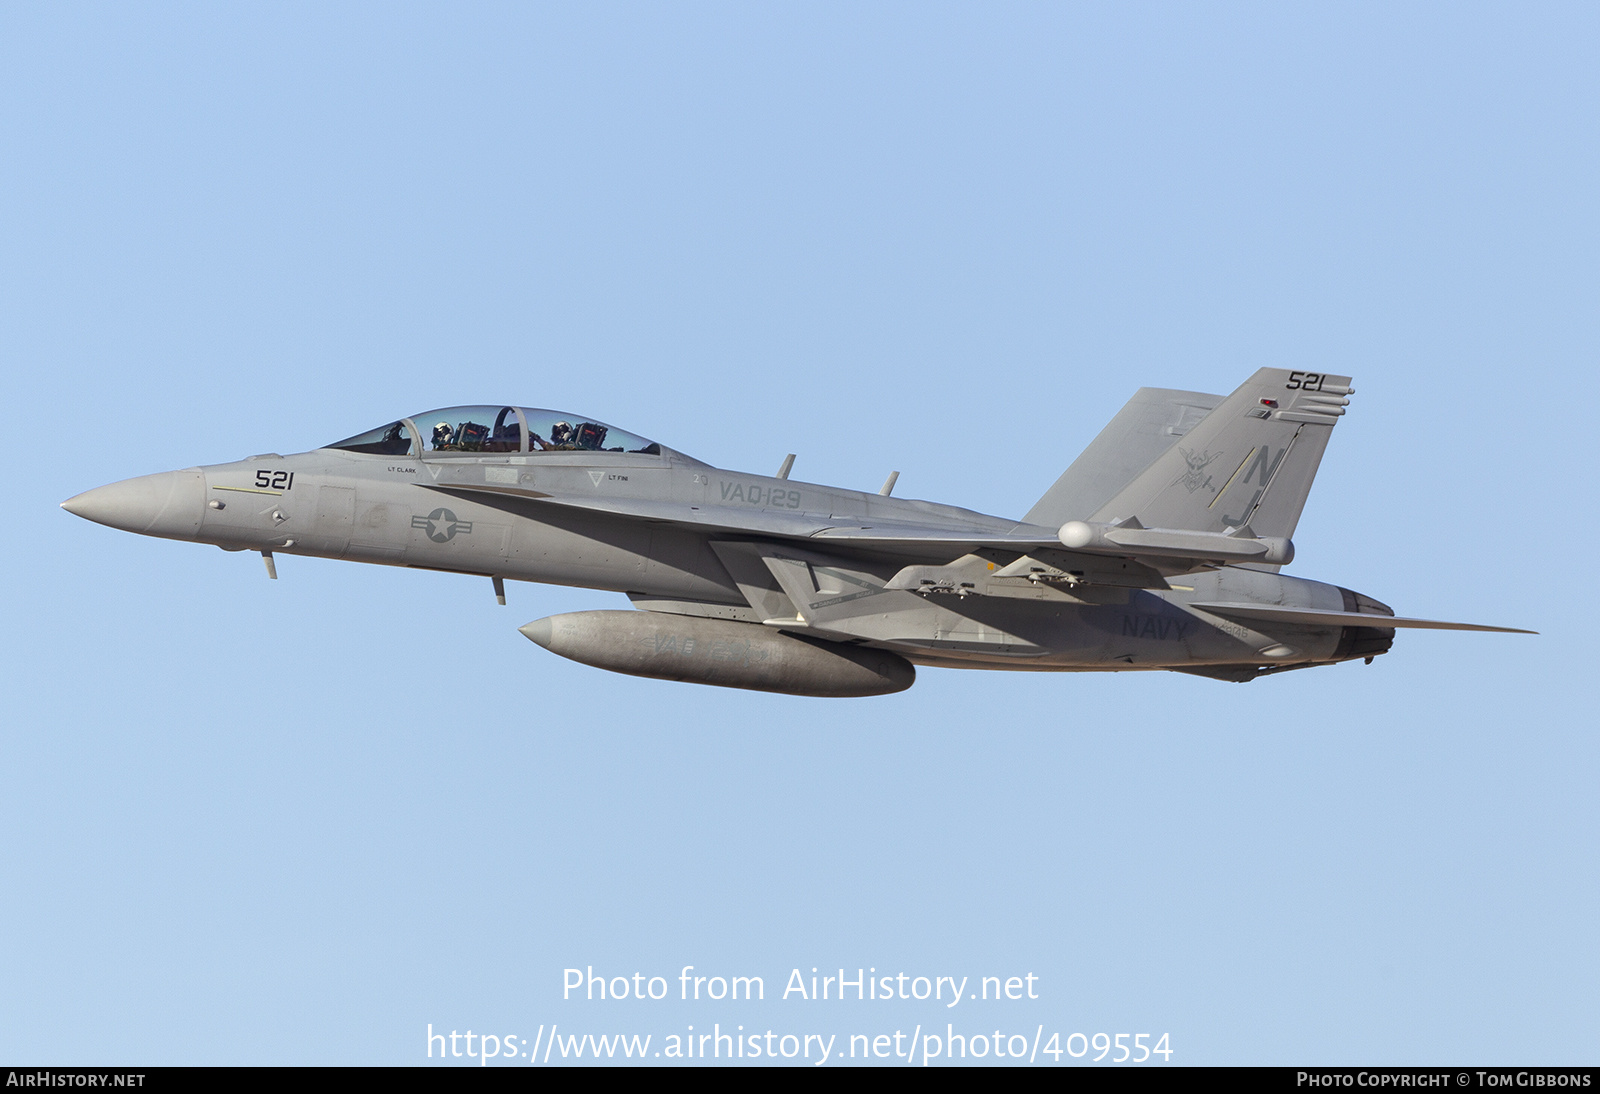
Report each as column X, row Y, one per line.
column 1313, row 616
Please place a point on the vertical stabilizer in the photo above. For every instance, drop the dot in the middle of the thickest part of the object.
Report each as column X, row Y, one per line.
column 1150, row 423
column 1250, row 462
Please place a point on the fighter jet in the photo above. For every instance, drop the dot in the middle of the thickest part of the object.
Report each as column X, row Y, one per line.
column 1161, row 547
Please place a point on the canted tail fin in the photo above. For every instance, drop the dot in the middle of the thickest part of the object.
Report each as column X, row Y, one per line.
column 1251, row 461
column 1151, row 422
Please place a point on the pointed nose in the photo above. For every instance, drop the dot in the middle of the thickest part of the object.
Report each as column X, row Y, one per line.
column 170, row 504
column 538, row 632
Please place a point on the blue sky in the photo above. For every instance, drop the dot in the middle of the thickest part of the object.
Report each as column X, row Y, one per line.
column 296, row 822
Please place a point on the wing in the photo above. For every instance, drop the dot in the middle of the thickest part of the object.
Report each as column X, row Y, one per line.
column 899, row 536
column 1021, row 550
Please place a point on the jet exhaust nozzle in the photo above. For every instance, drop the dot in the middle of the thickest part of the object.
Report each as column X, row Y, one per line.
column 720, row 652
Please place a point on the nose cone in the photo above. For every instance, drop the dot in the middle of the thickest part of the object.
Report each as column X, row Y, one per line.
column 538, row 632
column 170, row 504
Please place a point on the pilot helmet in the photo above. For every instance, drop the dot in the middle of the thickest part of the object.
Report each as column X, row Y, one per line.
column 442, row 433
column 561, row 433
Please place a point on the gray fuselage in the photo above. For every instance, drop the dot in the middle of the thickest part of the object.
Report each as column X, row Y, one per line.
column 677, row 536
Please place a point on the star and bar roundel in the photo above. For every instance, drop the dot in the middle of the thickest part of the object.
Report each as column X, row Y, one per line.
column 442, row 525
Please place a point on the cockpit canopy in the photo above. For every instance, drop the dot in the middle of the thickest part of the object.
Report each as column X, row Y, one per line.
column 482, row 429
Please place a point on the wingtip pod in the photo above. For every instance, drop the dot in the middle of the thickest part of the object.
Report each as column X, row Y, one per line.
column 1075, row 535
column 720, row 652
column 1128, row 538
